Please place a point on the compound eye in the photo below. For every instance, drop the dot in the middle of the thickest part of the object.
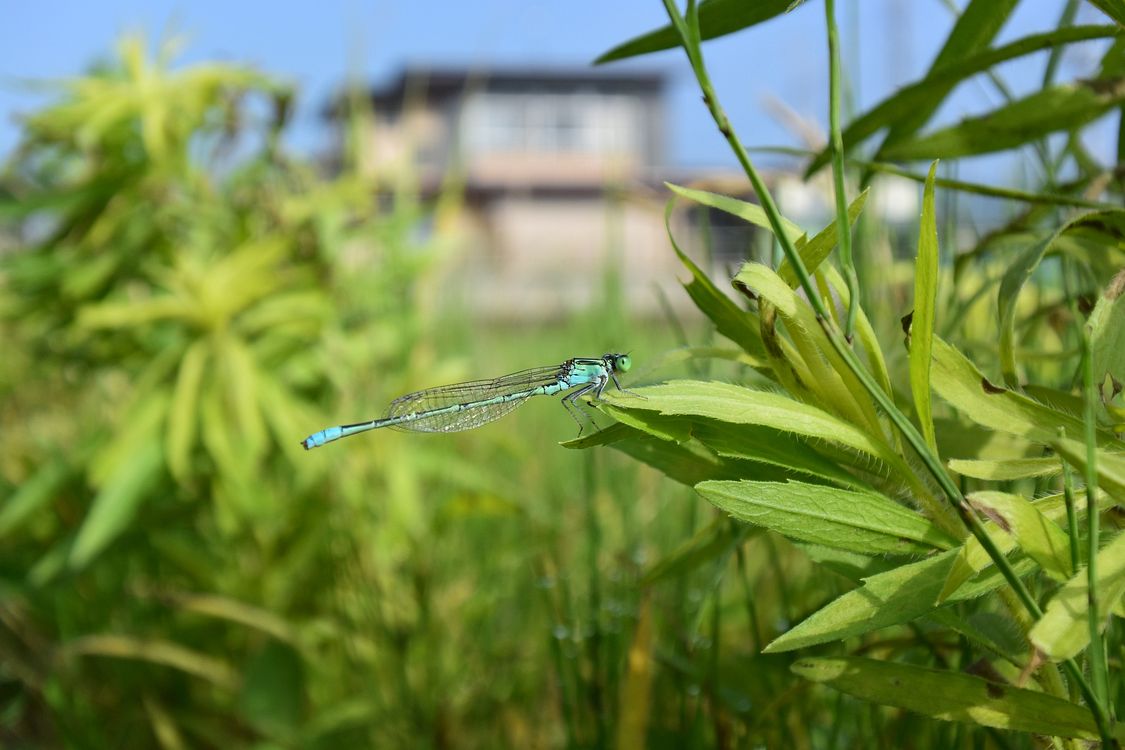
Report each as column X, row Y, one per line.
column 623, row 363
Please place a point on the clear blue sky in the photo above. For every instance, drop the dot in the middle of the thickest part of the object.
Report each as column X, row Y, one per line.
column 315, row 45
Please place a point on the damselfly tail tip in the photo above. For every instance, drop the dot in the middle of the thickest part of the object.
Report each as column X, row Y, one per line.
column 307, row 443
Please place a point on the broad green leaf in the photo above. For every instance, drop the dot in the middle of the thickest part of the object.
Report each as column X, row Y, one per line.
column 733, row 404
column 1110, row 466
column 273, row 689
column 925, row 312
column 716, row 18
column 183, row 411
column 815, row 251
column 950, row 696
column 729, row 319
column 164, row 653
column 892, row 598
column 1006, row 469
column 714, row 541
column 1063, row 107
column 34, row 493
column 858, row 521
column 117, row 503
column 748, row 212
column 960, row 383
column 920, row 95
column 1107, row 337
column 1064, row 629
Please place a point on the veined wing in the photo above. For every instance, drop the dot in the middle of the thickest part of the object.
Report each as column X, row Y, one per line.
column 444, row 396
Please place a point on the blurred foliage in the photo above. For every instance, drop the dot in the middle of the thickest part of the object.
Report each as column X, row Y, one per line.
column 181, row 301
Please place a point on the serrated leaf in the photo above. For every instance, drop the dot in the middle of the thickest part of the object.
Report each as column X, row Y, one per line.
column 857, row 521
column 1064, row 629
column 925, row 312
column 716, row 18
column 892, row 598
column 951, row 696
column 733, row 404
column 116, row 504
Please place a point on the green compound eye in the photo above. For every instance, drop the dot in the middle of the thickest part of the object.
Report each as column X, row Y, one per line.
column 623, row 363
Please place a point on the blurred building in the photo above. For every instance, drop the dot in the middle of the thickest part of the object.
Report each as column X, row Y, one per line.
column 561, row 173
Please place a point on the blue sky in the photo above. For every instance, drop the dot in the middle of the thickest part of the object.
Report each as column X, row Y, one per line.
column 316, row 45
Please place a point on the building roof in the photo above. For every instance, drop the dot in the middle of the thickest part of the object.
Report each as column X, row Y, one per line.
column 445, row 82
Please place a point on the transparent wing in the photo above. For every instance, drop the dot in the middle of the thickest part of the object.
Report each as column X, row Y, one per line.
column 441, row 397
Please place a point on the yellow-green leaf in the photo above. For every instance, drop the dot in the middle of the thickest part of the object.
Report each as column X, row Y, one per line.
column 925, row 303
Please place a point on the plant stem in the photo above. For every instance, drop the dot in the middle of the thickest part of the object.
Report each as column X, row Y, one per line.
column 1095, row 654
column 843, row 231
column 688, row 30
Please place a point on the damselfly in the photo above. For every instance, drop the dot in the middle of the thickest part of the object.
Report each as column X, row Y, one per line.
column 452, row 408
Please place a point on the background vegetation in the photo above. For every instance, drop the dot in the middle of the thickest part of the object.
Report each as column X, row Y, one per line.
column 858, row 564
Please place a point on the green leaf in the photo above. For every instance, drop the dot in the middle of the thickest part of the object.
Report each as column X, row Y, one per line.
column 686, row 463
column 729, row 319
column 1006, row 469
column 816, row 250
column 920, row 95
column 34, row 493
column 891, row 598
column 1064, row 629
column 183, row 411
column 1063, row 107
column 950, row 696
column 1107, row 337
column 748, row 212
column 117, row 503
column 273, row 691
column 1009, row 513
column 159, row 652
column 1110, row 466
column 714, row 541
column 737, row 405
column 1033, row 531
column 857, row 521
column 716, row 18
column 976, row 27
column 960, row 383
column 1115, row 9
column 925, row 312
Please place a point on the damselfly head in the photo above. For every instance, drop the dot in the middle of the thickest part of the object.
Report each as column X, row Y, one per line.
column 618, row 362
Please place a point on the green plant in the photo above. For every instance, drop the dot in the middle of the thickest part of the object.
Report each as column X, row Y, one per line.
column 834, row 463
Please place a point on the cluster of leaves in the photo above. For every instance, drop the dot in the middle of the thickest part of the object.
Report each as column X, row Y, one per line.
column 815, row 445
